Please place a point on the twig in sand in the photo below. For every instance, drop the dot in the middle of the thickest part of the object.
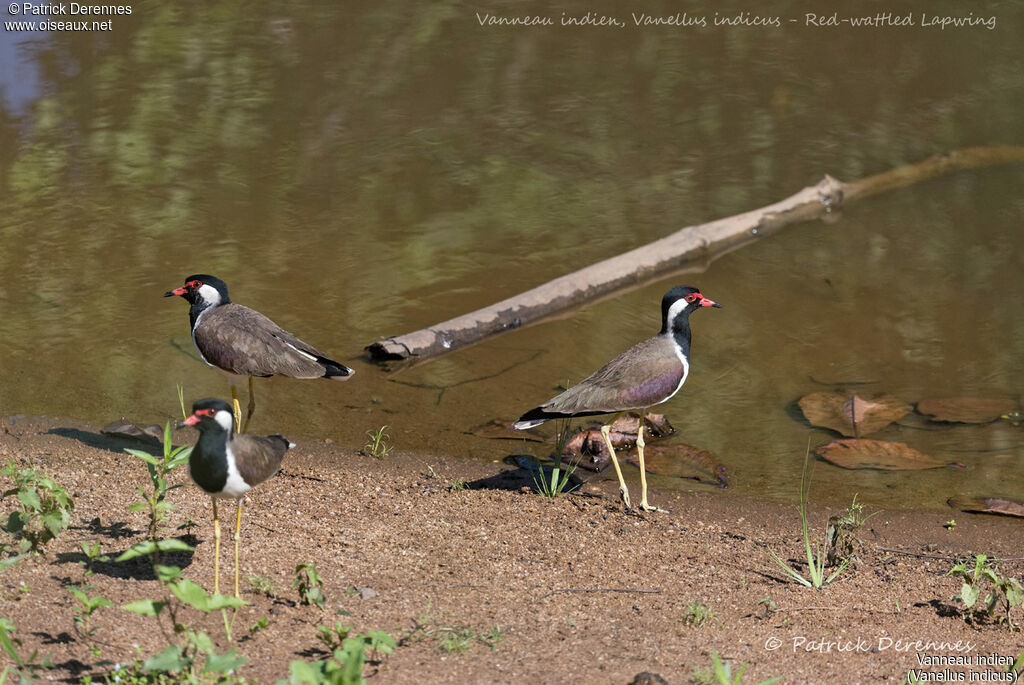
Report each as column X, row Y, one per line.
column 921, row 555
column 603, row 589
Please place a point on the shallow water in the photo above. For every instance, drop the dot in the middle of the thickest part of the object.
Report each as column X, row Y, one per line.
column 361, row 172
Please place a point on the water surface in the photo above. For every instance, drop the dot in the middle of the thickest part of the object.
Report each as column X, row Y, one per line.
column 366, row 170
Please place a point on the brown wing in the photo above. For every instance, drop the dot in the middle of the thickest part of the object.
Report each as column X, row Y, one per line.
column 258, row 457
column 243, row 341
column 642, row 376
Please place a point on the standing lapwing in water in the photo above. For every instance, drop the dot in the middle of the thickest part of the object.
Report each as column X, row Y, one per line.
column 646, row 374
column 228, row 466
column 241, row 342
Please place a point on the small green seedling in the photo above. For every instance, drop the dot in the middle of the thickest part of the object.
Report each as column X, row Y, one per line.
column 93, row 554
column 154, row 501
column 84, row 610
column 950, row 524
column 194, row 655
column 263, row 585
column 697, row 614
column 44, row 509
column 839, row 537
column 345, row 667
column 378, row 446
column 1003, row 593
column 26, row 668
column 721, row 673
column 262, row 624
column 309, row 585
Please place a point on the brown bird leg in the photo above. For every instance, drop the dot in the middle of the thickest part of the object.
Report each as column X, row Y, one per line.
column 216, row 548
column 623, row 490
column 640, row 444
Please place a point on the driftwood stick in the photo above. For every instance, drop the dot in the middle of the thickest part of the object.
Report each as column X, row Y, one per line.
column 668, row 254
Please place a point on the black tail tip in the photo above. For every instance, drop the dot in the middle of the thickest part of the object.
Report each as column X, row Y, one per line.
column 338, row 372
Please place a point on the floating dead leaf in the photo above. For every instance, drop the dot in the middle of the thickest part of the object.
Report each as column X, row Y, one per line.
column 496, row 429
column 851, row 415
column 989, row 505
column 622, row 434
column 682, row 461
column 126, row 429
column 877, row 454
column 657, row 425
column 965, row 409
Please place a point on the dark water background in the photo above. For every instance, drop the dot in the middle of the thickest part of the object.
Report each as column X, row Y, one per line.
column 356, row 170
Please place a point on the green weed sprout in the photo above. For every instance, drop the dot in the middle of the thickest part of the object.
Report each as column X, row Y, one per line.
column 155, row 502
column 815, row 556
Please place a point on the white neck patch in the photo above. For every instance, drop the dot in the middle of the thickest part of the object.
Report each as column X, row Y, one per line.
column 675, row 310
column 225, row 419
column 209, row 295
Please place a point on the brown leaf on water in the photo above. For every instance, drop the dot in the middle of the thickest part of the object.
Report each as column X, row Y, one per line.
column 682, row 461
column 496, row 429
column 657, row 425
column 852, row 415
column 876, row 454
column 965, row 409
column 989, row 505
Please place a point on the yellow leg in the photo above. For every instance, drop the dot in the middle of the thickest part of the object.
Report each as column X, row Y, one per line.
column 623, row 490
column 252, row 406
column 216, row 549
column 238, row 536
column 640, row 444
column 237, row 408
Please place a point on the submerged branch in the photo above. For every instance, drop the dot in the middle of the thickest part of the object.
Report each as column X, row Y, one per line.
column 668, row 254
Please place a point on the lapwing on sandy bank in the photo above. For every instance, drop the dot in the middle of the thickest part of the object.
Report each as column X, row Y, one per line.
column 241, row 342
column 646, row 374
column 228, row 466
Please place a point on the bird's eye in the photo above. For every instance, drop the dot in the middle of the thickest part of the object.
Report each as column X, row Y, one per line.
column 193, row 284
column 691, row 297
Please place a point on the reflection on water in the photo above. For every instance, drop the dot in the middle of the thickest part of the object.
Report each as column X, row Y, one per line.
column 361, row 172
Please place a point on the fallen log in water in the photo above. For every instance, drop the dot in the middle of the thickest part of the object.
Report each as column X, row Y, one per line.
column 671, row 252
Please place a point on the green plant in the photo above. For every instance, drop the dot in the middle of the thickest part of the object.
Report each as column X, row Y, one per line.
column 262, row 624
column 815, row 557
column 458, row 484
column 26, row 668
column 557, row 481
column 950, row 524
column 84, row 610
column 155, row 502
column 455, row 639
column 44, row 512
column 1005, row 593
column 309, row 585
column 768, row 606
column 345, row 667
column 841, row 540
column 263, row 585
column 192, row 655
column 93, row 553
column 378, row 446
column 1017, row 666
column 721, row 673
column 333, row 637
column 697, row 614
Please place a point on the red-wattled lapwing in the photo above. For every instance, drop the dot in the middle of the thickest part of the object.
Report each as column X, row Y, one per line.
column 646, row 374
column 242, row 342
column 228, row 466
